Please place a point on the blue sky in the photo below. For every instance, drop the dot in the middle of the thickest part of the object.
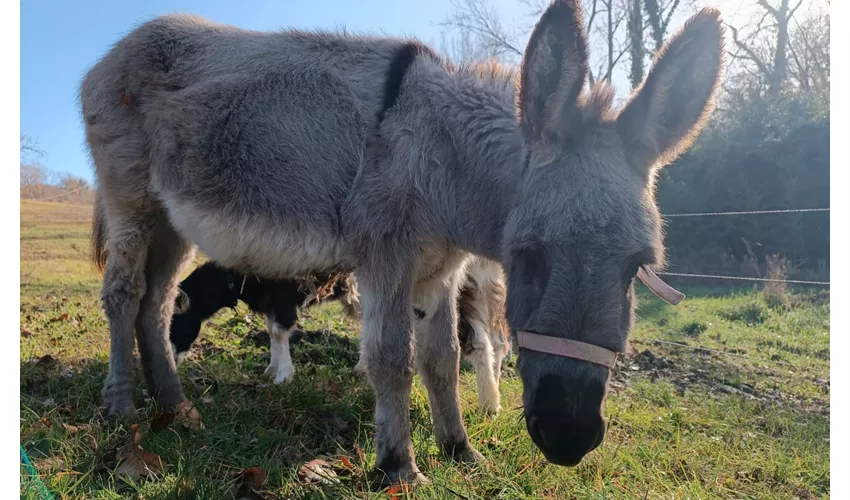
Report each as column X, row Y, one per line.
column 60, row 40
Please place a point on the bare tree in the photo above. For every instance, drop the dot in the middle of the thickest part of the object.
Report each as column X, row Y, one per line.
column 660, row 13
column 766, row 46
column 33, row 175
column 636, row 50
column 29, row 147
column 461, row 47
column 809, row 48
column 615, row 14
column 40, row 183
column 480, row 31
column 475, row 31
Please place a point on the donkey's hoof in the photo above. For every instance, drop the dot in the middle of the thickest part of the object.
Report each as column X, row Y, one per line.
column 409, row 477
column 461, row 452
column 121, row 410
column 119, row 405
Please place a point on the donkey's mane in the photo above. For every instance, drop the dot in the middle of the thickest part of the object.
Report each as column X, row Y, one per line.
column 491, row 71
column 598, row 104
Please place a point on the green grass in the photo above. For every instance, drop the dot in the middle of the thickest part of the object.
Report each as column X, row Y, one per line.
column 750, row 421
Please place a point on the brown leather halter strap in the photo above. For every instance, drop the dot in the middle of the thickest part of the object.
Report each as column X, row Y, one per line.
column 567, row 348
column 590, row 353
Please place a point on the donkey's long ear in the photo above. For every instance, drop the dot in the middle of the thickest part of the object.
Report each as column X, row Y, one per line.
column 674, row 102
column 554, row 69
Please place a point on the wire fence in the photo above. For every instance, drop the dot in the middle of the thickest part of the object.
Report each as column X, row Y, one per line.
column 750, row 212
column 747, row 278
column 65, row 193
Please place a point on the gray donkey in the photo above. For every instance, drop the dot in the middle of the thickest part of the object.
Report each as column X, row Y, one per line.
column 288, row 153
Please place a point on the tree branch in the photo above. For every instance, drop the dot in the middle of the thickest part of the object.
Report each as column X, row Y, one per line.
column 473, row 16
column 769, row 8
column 593, row 12
column 30, row 146
column 752, row 56
column 792, row 11
column 670, row 15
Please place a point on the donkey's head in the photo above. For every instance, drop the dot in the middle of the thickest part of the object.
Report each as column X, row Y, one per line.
column 586, row 221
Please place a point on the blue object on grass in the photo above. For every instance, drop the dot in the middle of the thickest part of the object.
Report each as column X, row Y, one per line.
column 45, row 493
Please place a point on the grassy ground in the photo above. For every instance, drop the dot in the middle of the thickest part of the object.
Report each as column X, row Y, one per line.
column 748, row 418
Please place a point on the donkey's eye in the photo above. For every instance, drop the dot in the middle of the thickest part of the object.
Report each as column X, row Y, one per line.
column 532, row 267
column 631, row 272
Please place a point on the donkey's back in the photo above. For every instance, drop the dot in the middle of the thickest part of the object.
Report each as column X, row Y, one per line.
column 243, row 137
column 177, row 51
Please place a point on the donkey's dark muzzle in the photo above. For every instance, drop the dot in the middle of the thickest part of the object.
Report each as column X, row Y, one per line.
column 566, row 425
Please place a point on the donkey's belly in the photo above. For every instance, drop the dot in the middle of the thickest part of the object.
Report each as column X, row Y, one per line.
column 265, row 244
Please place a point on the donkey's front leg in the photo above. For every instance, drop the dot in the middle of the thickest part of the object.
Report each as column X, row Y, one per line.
column 437, row 359
column 387, row 352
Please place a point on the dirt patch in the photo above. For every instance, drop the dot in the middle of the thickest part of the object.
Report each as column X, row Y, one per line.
column 704, row 369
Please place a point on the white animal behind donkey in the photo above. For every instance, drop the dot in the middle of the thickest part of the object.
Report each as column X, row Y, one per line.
column 482, row 328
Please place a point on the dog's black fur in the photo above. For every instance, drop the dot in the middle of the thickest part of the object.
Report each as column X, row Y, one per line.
column 211, row 287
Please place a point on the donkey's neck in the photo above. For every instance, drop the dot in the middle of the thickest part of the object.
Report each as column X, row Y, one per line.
column 486, row 174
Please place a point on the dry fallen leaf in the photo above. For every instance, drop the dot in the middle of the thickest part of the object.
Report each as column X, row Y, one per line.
column 317, row 471
column 135, row 461
column 189, row 416
column 68, row 473
column 44, row 423
column 248, row 483
column 73, row 429
column 360, row 454
column 398, row 489
column 492, row 442
column 160, row 420
column 61, row 317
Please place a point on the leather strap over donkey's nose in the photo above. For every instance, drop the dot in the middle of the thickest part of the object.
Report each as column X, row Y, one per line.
column 590, row 353
column 567, row 348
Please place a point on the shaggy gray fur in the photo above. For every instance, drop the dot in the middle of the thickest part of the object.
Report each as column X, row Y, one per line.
column 265, row 151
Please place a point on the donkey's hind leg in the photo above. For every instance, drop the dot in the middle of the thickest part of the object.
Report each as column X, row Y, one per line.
column 438, row 362
column 168, row 255
column 124, row 284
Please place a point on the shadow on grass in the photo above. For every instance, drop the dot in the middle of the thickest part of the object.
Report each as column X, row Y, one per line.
column 249, row 421
column 689, row 368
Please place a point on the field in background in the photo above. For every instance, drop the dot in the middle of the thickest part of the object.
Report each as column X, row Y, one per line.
column 746, row 417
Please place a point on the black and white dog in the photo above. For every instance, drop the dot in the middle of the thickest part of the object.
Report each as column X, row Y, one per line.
column 211, row 287
column 482, row 328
